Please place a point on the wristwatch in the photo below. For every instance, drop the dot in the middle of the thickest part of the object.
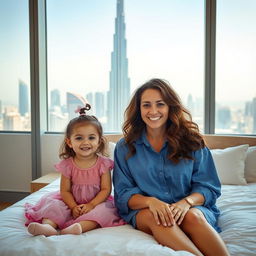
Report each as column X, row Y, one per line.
column 189, row 201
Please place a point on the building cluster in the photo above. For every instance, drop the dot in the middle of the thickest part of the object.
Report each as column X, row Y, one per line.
column 17, row 118
column 109, row 106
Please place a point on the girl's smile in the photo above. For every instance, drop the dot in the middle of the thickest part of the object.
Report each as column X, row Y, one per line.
column 84, row 140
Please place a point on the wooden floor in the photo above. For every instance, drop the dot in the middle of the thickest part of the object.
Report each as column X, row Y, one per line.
column 4, row 205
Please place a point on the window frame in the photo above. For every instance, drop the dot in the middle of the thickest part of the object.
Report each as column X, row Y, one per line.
column 38, row 62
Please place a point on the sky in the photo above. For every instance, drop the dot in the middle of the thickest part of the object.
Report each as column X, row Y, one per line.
column 165, row 39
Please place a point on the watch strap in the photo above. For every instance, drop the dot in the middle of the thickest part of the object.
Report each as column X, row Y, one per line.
column 189, row 201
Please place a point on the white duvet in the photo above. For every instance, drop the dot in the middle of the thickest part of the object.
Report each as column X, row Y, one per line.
column 238, row 222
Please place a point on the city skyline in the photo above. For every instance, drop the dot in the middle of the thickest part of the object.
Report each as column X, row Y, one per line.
column 156, row 48
column 227, row 120
column 138, row 22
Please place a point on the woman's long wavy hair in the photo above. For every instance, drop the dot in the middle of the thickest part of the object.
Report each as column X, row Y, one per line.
column 182, row 133
column 66, row 152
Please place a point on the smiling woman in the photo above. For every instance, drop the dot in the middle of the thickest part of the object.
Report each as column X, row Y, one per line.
column 154, row 110
column 165, row 180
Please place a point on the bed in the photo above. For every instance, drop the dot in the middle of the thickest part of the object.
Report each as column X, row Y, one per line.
column 235, row 159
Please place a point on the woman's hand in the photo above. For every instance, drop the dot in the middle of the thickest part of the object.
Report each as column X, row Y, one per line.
column 179, row 210
column 85, row 208
column 161, row 212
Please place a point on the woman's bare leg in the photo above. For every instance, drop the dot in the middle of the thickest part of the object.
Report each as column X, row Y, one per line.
column 172, row 237
column 203, row 234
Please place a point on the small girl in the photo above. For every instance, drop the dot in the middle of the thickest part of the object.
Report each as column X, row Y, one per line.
column 84, row 202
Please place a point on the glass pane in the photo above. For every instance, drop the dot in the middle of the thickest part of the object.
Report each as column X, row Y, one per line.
column 14, row 66
column 101, row 51
column 235, row 67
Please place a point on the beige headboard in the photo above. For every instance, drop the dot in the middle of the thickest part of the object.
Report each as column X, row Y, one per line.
column 212, row 141
column 224, row 141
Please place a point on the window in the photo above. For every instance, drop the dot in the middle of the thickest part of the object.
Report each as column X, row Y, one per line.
column 100, row 51
column 14, row 66
column 235, row 67
column 79, row 46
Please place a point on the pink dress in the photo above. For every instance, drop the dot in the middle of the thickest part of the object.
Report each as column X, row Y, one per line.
column 85, row 186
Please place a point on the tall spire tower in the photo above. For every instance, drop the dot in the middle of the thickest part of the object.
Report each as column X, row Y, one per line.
column 119, row 93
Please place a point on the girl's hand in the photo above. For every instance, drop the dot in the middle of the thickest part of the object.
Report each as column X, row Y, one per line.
column 76, row 211
column 85, row 208
column 179, row 210
column 161, row 212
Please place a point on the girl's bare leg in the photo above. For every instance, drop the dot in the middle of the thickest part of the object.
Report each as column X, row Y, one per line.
column 88, row 225
column 48, row 221
column 172, row 237
column 47, row 228
column 203, row 234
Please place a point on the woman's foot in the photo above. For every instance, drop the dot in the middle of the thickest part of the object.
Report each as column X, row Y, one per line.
column 36, row 229
column 74, row 229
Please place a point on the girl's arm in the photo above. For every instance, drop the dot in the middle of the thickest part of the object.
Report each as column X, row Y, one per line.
column 65, row 191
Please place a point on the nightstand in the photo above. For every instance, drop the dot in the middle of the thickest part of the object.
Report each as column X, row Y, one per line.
column 43, row 181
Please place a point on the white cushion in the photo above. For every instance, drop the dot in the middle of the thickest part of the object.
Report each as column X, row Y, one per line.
column 230, row 164
column 250, row 165
column 111, row 148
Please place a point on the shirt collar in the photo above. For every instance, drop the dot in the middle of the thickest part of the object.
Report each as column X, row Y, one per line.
column 143, row 140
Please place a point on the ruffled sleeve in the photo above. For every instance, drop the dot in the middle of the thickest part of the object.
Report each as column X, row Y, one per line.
column 106, row 165
column 64, row 167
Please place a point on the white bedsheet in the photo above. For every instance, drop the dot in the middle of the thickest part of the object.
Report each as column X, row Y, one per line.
column 238, row 222
column 238, row 218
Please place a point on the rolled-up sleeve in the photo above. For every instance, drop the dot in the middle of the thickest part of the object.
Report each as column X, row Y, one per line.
column 124, row 184
column 205, row 178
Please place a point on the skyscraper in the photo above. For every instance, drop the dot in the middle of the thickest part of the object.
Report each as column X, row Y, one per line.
column 254, row 115
column 119, row 91
column 100, row 104
column 223, row 118
column 55, row 98
column 74, row 101
column 1, row 110
column 23, row 98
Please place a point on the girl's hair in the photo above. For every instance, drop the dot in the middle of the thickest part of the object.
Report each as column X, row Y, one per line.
column 83, row 119
column 182, row 133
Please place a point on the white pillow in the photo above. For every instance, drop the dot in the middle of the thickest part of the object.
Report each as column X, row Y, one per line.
column 111, row 148
column 250, row 165
column 230, row 163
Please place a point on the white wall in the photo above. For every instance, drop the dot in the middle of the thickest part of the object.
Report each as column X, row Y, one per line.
column 15, row 159
column 15, row 162
column 50, row 151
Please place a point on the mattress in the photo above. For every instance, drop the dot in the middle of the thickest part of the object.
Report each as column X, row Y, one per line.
column 237, row 220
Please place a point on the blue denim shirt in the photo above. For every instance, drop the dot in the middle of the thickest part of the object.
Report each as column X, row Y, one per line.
column 151, row 173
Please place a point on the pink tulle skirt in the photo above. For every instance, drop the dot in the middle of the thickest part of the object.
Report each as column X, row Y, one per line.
column 52, row 207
